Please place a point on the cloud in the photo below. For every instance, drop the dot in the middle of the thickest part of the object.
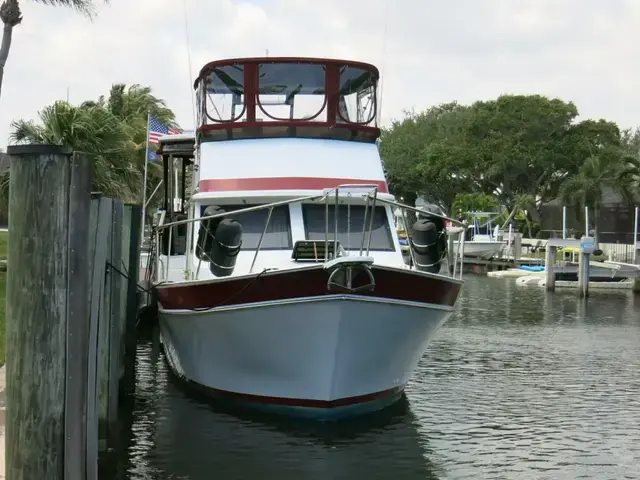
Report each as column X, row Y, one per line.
column 428, row 51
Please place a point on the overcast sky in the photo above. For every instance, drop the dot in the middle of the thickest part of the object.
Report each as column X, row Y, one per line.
column 428, row 51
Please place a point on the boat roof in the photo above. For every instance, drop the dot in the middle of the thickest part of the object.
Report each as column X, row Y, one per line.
column 180, row 145
column 309, row 60
column 180, row 137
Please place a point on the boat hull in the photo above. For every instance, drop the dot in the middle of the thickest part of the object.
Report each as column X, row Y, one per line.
column 482, row 249
column 325, row 356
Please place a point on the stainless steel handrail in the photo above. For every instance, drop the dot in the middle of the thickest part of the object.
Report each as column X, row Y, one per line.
column 371, row 199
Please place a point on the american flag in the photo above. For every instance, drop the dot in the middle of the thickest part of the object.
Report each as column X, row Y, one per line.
column 157, row 129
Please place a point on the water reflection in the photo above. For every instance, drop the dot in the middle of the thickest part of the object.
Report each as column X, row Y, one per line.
column 521, row 383
column 175, row 435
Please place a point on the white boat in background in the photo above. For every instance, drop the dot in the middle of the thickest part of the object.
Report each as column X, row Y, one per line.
column 280, row 282
column 483, row 245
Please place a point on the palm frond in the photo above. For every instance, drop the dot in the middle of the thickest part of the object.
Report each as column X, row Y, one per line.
column 86, row 7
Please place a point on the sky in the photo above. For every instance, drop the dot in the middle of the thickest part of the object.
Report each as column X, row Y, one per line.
column 428, row 51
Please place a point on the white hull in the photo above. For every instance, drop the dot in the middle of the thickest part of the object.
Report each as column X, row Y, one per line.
column 481, row 249
column 313, row 354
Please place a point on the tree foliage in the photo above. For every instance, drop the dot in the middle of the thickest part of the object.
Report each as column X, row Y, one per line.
column 522, row 150
column 112, row 131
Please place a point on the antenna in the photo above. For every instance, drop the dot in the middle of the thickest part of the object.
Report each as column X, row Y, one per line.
column 266, row 52
column 67, row 94
column 384, row 58
column 186, row 34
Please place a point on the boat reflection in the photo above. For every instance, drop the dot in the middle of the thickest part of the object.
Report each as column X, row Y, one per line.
column 176, row 435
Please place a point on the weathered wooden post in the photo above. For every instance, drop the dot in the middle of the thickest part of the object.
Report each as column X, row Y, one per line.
column 636, row 248
column 549, row 263
column 47, row 312
column 133, row 215
column 587, row 247
column 517, row 247
column 451, row 253
column 100, row 224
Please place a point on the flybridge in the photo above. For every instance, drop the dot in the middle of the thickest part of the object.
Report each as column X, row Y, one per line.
column 287, row 97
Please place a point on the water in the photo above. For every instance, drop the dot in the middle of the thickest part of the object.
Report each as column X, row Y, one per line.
column 518, row 384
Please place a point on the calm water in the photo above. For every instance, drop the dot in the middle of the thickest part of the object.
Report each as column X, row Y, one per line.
column 519, row 384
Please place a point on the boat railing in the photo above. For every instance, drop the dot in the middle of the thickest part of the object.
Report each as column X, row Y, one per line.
column 457, row 257
column 348, row 192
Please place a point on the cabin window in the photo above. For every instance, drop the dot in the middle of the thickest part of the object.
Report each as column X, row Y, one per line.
column 291, row 91
column 278, row 235
column 224, row 97
column 350, row 237
column 357, row 97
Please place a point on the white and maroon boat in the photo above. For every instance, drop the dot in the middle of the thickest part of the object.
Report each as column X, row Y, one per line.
column 280, row 281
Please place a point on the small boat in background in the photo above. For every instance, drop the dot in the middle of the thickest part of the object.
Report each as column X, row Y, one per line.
column 483, row 245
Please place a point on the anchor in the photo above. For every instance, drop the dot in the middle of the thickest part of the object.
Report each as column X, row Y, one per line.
column 343, row 270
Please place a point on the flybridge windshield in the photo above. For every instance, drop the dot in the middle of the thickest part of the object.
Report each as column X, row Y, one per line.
column 286, row 91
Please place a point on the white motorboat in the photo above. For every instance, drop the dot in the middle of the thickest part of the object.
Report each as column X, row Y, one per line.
column 280, row 281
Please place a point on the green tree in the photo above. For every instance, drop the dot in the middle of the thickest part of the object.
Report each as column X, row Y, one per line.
column 422, row 154
column 608, row 165
column 132, row 105
column 93, row 131
column 11, row 16
column 519, row 148
column 111, row 130
column 474, row 202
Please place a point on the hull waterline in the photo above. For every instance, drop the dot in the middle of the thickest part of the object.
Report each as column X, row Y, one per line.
column 324, row 357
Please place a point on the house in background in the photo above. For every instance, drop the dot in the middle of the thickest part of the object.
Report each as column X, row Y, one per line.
column 615, row 219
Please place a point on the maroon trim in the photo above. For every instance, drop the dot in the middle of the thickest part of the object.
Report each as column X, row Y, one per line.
column 335, row 127
column 251, row 79
column 257, row 60
column 394, row 284
column 283, row 183
column 296, row 402
column 257, row 129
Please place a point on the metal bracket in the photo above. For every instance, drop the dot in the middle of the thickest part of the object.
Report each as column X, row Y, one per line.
column 344, row 270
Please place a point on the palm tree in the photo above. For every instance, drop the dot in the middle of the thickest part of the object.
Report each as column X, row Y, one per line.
column 11, row 16
column 111, row 130
column 608, row 169
column 93, row 131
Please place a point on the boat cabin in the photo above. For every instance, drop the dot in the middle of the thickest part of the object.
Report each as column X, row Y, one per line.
column 275, row 130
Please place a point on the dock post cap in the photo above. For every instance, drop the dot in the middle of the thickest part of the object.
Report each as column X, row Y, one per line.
column 39, row 149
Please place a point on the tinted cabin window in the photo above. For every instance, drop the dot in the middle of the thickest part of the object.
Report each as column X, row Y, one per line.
column 292, row 91
column 224, row 98
column 350, row 237
column 357, row 98
column 278, row 235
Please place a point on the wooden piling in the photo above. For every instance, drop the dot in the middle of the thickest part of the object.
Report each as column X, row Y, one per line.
column 549, row 264
column 587, row 246
column 517, row 247
column 583, row 275
column 133, row 216
column 100, row 221
column 47, row 311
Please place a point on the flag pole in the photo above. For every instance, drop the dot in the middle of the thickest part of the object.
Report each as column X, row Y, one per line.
column 144, row 188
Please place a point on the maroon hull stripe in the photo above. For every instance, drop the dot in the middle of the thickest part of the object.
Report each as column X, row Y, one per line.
column 284, row 183
column 296, row 402
column 309, row 282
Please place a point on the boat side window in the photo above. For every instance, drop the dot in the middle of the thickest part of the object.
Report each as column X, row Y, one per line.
column 277, row 236
column 357, row 96
column 350, row 237
column 224, row 97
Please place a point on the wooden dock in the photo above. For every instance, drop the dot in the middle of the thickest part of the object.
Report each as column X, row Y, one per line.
column 71, row 313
